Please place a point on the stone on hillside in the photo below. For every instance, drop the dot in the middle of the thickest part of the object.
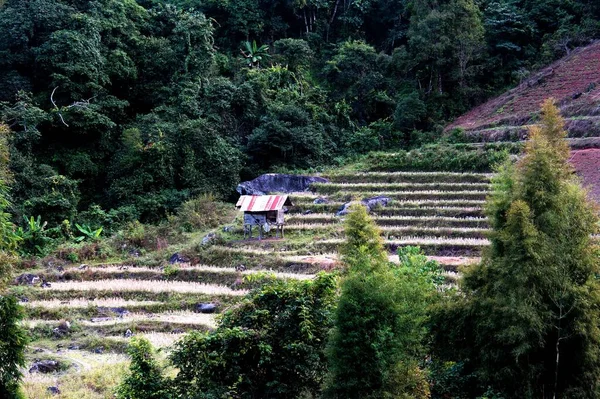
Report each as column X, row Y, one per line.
column 176, row 258
column 346, row 208
column 206, row 308
column 119, row 311
column 27, row 279
column 374, row 202
column 53, row 391
column 210, row 238
column 44, row 366
column 100, row 319
column 371, row 203
column 278, row 183
column 321, row 200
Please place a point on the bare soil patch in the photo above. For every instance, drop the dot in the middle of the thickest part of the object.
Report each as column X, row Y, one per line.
column 587, row 165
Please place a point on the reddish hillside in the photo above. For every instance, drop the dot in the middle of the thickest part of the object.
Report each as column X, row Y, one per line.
column 573, row 81
column 587, row 164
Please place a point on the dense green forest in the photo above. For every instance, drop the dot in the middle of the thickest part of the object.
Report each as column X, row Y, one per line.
column 420, row 266
column 120, row 110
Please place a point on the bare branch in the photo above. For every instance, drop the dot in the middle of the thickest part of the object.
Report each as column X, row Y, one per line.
column 56, row 107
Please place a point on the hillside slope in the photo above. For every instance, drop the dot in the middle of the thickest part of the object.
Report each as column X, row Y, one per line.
column 574, row 81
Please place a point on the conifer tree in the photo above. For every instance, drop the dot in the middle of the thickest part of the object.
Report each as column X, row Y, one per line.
column 378, row 332
column 528, row 324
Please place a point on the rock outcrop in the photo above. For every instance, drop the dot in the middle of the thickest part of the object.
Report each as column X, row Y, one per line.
column 278, row 183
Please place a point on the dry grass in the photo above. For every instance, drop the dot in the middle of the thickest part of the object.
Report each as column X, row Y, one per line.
column 331, row 216
column 384, row 229
column 413, row 240
column 391, row 186
column 146, row 286
column 93, row 377
column 200, row 268
column 158, row 340
column 174, row 317
column 426, row 174
column 84, row 303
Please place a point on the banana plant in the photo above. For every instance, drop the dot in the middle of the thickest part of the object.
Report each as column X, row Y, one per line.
column 254, row 54
column 33, row 236
column 88, row 233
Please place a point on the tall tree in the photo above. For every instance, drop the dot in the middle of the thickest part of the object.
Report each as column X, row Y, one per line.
column 527, row 326
column 378, row 334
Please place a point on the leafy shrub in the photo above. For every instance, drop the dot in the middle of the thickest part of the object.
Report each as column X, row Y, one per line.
column 110, row 220
column 13, row 340
column 271, row 345
column 202, row 212
column 88, row 233
column 145, row 380
column 7, row 261
column 34, row 239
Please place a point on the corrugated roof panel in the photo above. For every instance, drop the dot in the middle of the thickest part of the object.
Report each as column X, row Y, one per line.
column 262, row 203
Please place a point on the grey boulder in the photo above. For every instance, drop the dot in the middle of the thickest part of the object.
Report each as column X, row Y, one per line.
column 370, row 203
column 278, row 183
column 44, row 366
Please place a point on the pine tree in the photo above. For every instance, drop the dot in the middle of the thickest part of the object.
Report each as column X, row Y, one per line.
column 528, row 325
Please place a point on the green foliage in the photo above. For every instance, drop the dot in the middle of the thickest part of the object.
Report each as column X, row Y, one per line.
column 270, row 345
column 379, row 334
column 138, row 106
column 363, row 239
column 528, row 315
column 13, row 339
column 145, row 380
column 254, row 54
column 88, row 233
column 412, row 259
column 296, row 54
column 201, row 213
column 443, row 157
column 34, row 239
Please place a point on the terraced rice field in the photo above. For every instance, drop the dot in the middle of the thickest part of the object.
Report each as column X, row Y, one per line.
column 440, row 212
column 91, row 312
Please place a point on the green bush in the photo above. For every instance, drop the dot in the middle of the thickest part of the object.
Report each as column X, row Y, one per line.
column 145, row 380
column 34, row 238
column 379, row 337
column 201, row 213
column 13, row 340
column 269, row 346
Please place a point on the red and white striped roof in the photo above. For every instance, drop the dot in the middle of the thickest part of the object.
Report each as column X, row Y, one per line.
column 262, row 203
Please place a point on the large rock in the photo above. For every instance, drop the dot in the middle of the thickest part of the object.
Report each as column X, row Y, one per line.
column 278, row 183
column 27, row 279
column 369, row 203
column 206, row 308
column 44, row 366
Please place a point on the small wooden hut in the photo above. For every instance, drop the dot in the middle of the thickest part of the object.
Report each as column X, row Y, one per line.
column 264, row 212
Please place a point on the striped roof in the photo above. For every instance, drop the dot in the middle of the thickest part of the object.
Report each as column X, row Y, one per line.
column 262, row 203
